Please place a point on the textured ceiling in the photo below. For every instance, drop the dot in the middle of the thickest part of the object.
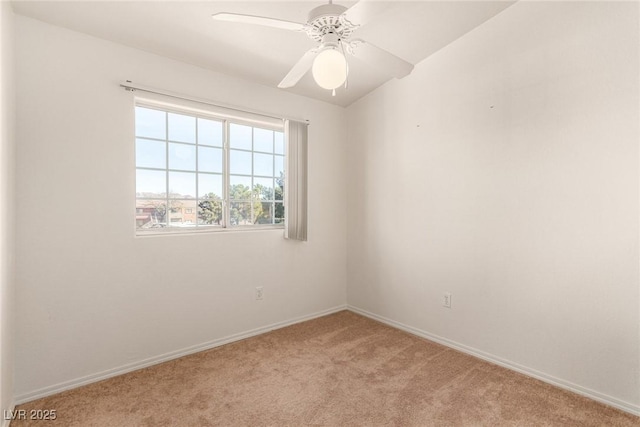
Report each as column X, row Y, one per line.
column 184, row 30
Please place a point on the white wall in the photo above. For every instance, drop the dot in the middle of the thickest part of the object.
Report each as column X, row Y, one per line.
column 7, row 261
column 505, row 170
column 94, row 298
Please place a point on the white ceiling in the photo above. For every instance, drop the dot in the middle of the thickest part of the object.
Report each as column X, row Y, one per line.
column 184, row 30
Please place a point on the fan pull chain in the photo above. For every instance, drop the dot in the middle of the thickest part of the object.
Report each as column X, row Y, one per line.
column 333, row 93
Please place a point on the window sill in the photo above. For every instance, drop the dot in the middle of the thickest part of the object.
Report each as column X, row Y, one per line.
column 176, row 231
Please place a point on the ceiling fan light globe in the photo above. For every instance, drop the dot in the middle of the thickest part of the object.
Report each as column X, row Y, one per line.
column 330, row 69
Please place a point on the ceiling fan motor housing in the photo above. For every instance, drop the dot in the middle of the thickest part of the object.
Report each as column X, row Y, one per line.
column 328, row 18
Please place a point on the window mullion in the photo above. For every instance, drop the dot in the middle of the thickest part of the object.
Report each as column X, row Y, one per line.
column 252, row 178
column 226, row 204
column 273, row 178
column 166, row 145
column 197, row 175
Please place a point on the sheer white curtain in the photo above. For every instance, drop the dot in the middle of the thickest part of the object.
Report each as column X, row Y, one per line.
column 295, row 226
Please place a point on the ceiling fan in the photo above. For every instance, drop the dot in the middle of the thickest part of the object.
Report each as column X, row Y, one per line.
column 332, row 26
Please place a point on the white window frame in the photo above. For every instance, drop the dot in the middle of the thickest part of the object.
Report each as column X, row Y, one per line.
column 227, row 117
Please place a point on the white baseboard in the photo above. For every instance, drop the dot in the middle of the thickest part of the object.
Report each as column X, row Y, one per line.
column 67, row 385
column 600, row 397
column 88, row 379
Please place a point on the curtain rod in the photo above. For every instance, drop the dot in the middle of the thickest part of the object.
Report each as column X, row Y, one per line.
column 131, row 87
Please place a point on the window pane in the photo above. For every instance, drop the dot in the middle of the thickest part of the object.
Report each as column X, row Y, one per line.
column 240, row 213
column 182, row 213
column 279, row 142
column 263, row 188
column 239, row 187
column 263, row 213
column 182, row 185
column 262, row 164
column 150, row 183
column 182, row 128
column 182, row 156
column 210, row 211
column 209, row 132
column 209, row 185
column 279, row 213
column 151, row 154
column 240, row 136
column 263, row 140
column 240, row 162
column 183, row 170
column 209, row 159
column 279, row 172
column 151, row 123
column 151, row 213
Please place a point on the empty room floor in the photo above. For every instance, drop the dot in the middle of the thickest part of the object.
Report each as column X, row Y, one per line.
column 341, row 369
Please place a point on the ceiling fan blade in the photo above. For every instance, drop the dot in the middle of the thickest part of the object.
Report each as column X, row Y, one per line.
column 299, row 70
column 363, row 11
column 381, row 59
column 259, row 20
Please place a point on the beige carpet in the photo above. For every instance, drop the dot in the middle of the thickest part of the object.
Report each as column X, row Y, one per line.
column 337, row 370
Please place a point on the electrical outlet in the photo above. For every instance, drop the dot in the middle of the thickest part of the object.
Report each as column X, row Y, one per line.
column 446, row 300
column 259, row 292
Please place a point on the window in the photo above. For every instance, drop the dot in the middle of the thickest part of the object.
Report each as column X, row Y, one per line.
column 199, row 171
